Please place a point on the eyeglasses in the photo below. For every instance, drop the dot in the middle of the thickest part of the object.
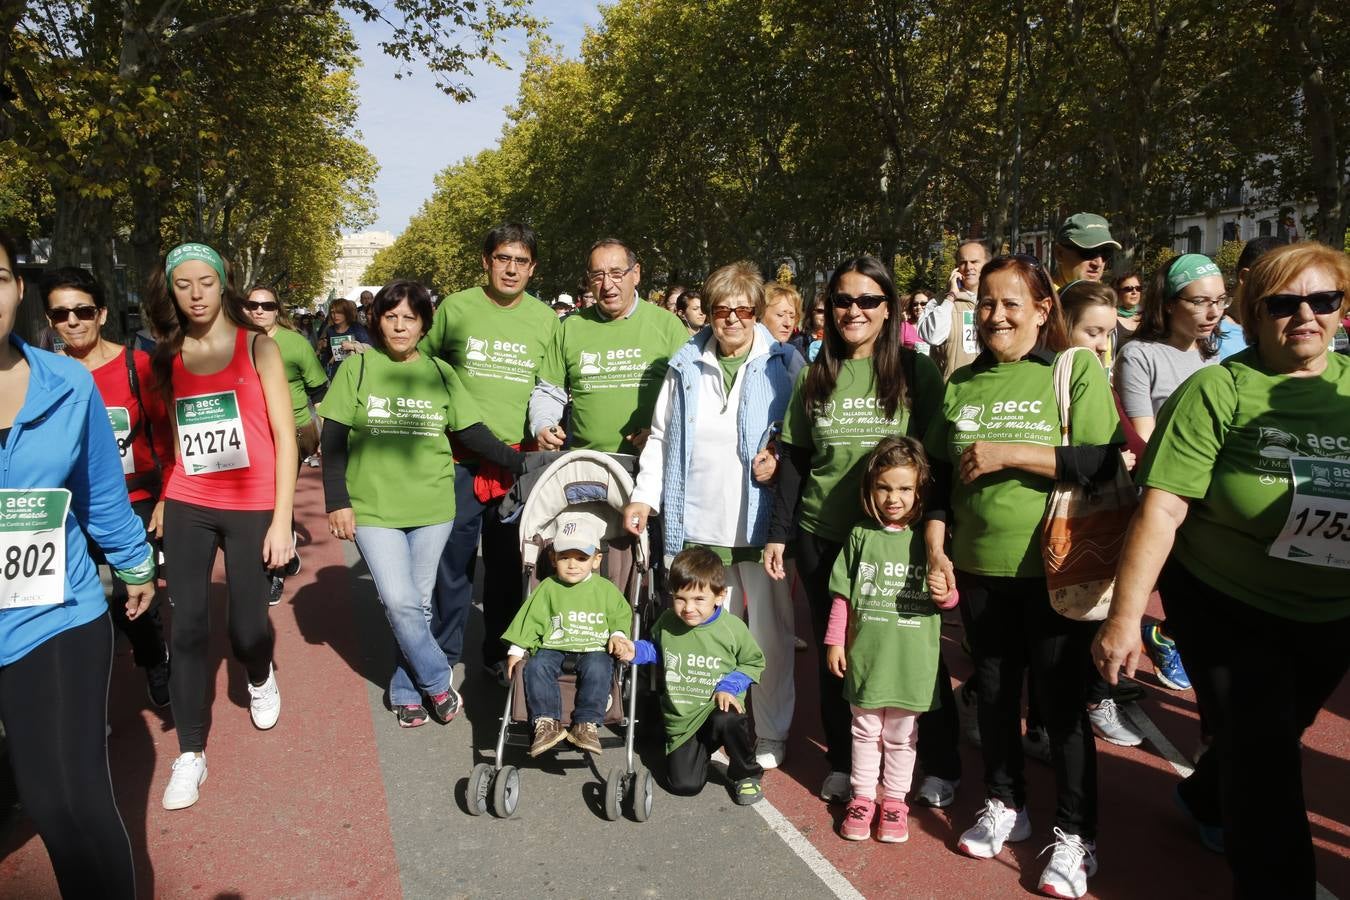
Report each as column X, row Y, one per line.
column 62, row 314
column 1282, row 306
column 264, row 305
column 1221, row 302
column 866, row 301
column 723, row 313
column 504, row 260
column 615, row 275
column 1132, row 289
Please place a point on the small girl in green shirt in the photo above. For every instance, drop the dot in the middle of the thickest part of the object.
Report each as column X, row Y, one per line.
column 883, row 637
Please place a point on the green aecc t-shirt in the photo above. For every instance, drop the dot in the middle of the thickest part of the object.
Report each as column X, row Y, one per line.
column 1229, row 440
column 497, row 353
column 996, row 522
column 693, row 661
column 613, row 369
column 303, row 371
column 894, row 629
column 845, row 431
column 400, row 473
column 571, row 618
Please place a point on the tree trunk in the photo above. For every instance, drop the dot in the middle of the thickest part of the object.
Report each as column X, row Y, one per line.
column 1304, row 40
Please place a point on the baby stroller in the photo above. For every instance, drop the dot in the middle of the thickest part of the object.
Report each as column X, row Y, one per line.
column 597, row 484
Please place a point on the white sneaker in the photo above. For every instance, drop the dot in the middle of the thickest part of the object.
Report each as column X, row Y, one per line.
column 1072, row 863
column 996, row 826
column 770, row 753
column 720, row 757
column 837, row 788
column 936, row 792
column 189, row 771
column 1108, row 724
column 264, row 701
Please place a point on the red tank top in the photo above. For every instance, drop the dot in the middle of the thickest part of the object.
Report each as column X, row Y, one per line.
column 226, row 459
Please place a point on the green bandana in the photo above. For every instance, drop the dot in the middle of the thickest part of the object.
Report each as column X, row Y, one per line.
column 184, row 252
column 1191, row 267
column 1127, row 313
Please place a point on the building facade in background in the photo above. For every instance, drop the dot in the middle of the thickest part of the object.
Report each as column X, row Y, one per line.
column 356, row 253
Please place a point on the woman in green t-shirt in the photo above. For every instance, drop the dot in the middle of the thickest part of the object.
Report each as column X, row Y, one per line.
column 996, row 458
column 861, row 387
column 389, row 482
column 1243, row 527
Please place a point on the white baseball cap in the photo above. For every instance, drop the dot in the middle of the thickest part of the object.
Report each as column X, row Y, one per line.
column 577, row 531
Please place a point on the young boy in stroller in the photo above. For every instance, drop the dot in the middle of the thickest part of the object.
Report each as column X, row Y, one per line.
column 575, row 616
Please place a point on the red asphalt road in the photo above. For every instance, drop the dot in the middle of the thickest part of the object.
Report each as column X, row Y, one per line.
column 296, row 811
column 301, row 810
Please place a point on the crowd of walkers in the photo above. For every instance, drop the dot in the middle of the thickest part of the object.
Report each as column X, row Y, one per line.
column 889, row 456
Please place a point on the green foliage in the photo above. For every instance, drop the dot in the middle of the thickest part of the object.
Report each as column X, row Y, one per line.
column 1227, row 258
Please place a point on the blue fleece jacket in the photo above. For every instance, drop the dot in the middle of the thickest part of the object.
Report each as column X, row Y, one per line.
column 61, row 439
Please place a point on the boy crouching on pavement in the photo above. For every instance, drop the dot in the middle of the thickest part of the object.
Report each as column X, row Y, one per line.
column 709, row 660
column 575, row 614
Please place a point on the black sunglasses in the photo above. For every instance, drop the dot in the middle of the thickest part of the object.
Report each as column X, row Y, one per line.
column 62, row 314
column 1282, row 306
column 866, row 301
column 1086, row 253
column 265, row 305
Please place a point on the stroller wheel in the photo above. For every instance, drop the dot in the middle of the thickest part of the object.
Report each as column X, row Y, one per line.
column 505, row 792
column 614, row 793
column 642, row 795
column 480, row 785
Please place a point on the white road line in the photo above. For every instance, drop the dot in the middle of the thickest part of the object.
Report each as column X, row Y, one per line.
column 1173, row 756
column 806, row 852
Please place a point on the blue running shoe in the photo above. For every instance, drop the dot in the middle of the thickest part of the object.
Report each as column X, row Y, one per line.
column 1166, row 658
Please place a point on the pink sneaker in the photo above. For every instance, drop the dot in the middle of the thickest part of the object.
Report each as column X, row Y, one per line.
column 857, row 822
column 894, row 826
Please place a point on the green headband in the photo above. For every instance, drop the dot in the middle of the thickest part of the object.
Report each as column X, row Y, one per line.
column 184, row 252
column 1188, row 268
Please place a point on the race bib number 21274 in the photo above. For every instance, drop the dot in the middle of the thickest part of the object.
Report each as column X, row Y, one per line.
column 211, row 433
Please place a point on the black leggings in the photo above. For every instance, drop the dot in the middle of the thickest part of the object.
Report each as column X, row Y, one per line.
column 146, row 633
column 54, row 706
column 815, row 561
column 192, row 534
column 1013, row 629
column 1249, row 666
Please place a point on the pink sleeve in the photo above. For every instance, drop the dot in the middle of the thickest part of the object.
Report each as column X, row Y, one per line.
column 836, row 633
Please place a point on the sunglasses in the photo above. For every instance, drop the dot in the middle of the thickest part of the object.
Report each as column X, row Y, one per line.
column 265, row 305
column 723, row 313
column 1282, row 306
column 62, row 314
column 1132, row 289
column 843, row 302
column 1087, row 253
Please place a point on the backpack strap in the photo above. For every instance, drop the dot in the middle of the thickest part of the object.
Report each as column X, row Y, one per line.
column 148, row 481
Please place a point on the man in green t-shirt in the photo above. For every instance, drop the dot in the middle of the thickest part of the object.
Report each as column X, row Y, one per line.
column 495, row 338
column 611, row 357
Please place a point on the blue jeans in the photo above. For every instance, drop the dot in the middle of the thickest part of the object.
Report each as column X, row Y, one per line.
column 543, row 697
column 454, row 579
column 403, row 563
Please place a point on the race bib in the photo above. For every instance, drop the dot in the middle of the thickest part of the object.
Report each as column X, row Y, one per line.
column 211, row 433
column 968, row 342
column 1317, row 531
column 338, row 344
column 120, row 419
column 33, row 547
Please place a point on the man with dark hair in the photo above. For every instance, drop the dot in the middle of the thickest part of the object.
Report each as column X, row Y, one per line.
column 611, row 357
column 495, row 337
column 1231, row 339
column 1083, row 249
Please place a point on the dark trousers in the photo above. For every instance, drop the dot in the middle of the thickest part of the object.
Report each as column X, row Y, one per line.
column 146, row 632
column 595, row 678
column 939, row 731
column 54, row 706
column 687, row 764
column 1248, row 666
column 815, row 561
column 454, row 580
column 192, row 535
column 1012, row 630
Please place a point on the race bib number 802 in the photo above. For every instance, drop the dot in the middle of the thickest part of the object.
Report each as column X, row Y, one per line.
column 33, row 547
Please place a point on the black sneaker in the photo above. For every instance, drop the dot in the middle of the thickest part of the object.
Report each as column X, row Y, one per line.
column 157, row 683
column 274, row 595
column 445, row 706
column 292, row 568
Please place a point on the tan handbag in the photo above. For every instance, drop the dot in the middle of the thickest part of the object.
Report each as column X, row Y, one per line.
column 1084, row 529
